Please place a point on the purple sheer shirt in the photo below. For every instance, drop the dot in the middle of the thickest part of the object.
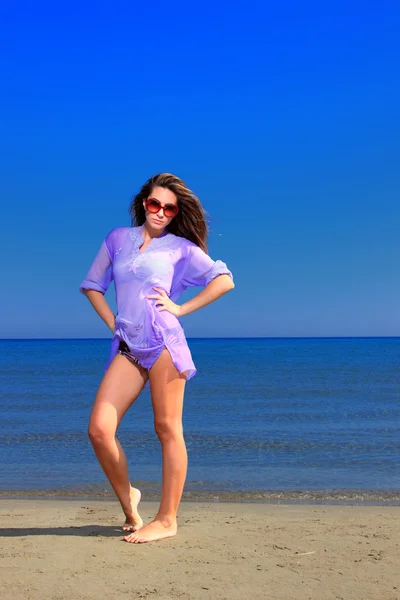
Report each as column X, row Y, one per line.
column 169, row 262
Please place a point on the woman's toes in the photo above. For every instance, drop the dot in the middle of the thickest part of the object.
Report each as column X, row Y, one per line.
column 131, row 526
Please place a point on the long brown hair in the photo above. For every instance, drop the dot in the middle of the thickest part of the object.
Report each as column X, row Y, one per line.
column 190, row 222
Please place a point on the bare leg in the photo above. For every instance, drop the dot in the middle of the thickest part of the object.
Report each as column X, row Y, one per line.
column 118, row 390
column 167, row 392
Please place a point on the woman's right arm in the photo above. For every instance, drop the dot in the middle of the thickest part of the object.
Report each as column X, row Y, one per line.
column 97, row 281
column 101, row 306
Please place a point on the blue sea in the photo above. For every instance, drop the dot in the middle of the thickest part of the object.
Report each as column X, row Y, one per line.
column 264, row 418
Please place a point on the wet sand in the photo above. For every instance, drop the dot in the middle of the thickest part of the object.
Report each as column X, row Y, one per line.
column 73, row 549
column 198, row 491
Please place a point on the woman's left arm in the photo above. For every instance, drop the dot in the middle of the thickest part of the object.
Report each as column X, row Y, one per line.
column 219, row 286
column 214, row 290
column 199, row 270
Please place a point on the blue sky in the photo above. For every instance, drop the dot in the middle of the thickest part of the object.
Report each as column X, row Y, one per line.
column 282, row 118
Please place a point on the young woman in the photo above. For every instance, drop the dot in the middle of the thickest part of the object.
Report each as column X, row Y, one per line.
column 151, row 263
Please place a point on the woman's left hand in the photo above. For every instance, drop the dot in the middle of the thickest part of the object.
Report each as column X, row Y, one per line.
column 166, row 302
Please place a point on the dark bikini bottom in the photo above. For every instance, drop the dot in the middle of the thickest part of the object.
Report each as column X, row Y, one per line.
column 123, row 349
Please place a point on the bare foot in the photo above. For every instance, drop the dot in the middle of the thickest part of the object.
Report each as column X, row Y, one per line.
column 133, row 519
column 156, row 530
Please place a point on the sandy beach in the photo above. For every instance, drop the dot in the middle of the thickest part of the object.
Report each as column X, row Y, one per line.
column 73, row 549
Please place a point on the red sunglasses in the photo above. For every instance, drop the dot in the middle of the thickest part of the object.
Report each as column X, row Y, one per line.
column 153, row 205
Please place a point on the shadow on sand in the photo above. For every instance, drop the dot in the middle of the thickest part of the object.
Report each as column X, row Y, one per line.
column 82, row 531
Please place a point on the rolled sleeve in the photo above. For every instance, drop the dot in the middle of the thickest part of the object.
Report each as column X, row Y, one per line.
column 100, row 273
column 201, row 268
